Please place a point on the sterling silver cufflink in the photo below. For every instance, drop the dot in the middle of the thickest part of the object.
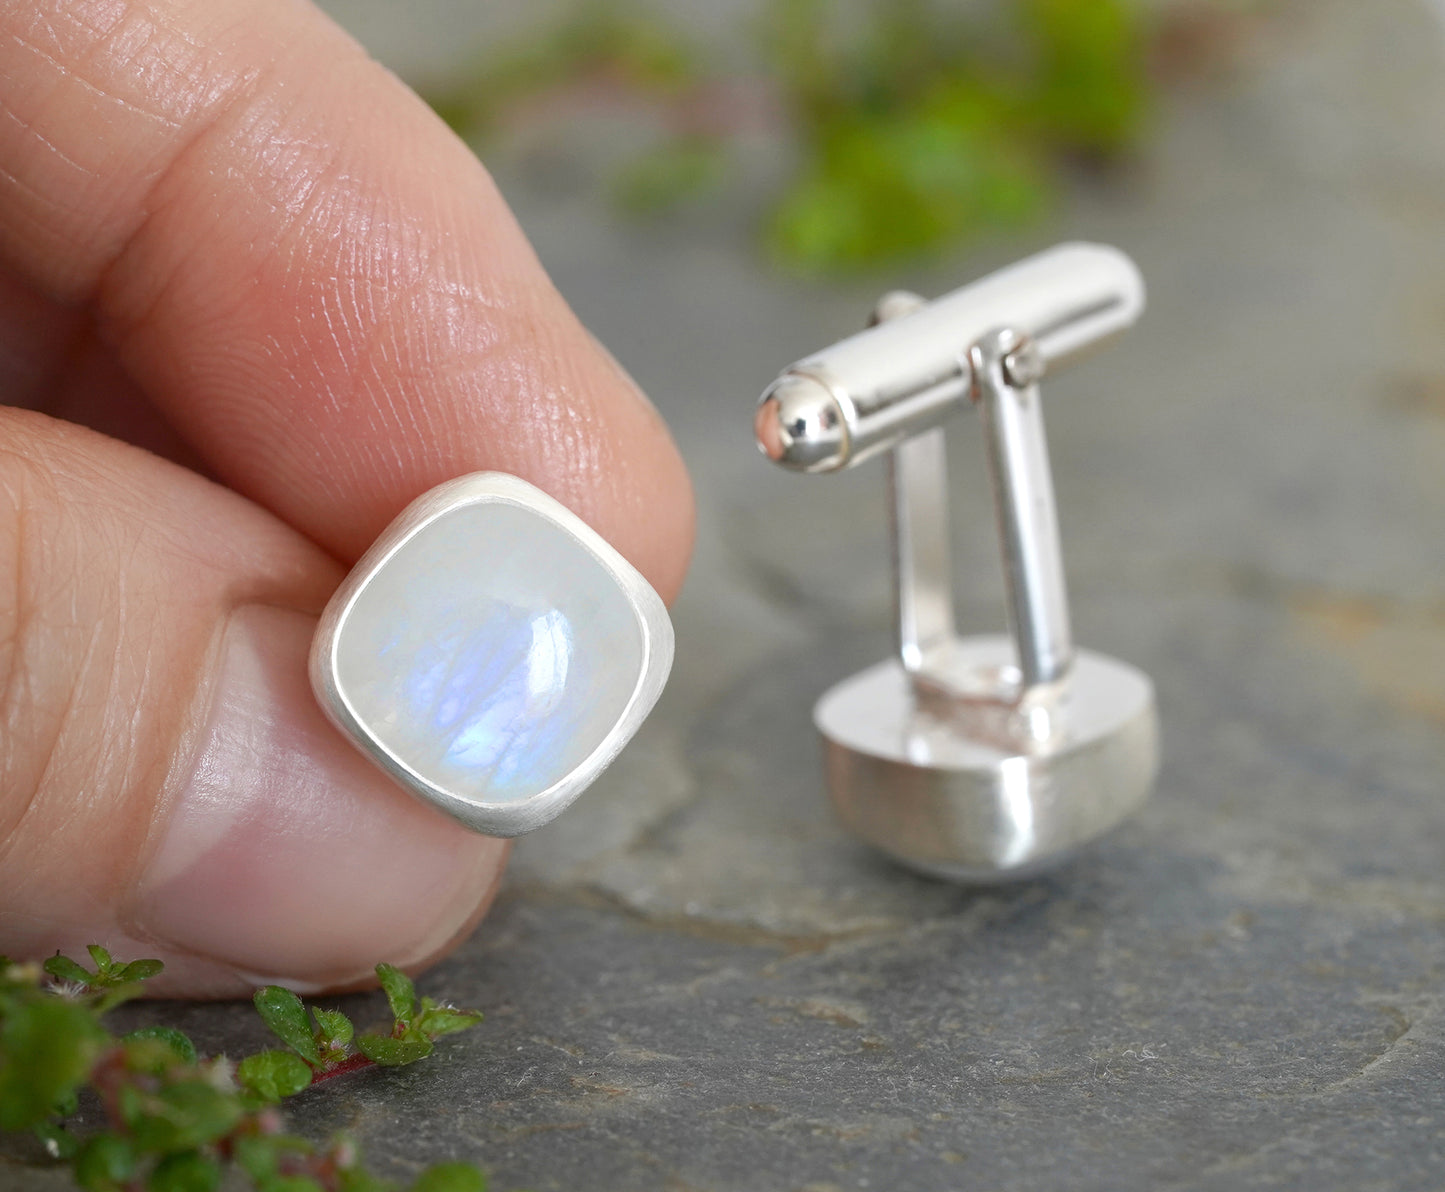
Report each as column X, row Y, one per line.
column 973, row 758
column 492, row 653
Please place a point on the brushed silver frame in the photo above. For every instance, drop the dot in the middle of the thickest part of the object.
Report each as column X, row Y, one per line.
column 514, row 816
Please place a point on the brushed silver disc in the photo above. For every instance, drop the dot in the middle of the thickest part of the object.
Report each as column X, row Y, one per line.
column 969, row 789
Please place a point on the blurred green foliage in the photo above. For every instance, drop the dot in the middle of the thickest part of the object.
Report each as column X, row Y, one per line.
column 916, row 124
column 925, row 128
column 176, row 1122
column 679, row 169
column 596, row 38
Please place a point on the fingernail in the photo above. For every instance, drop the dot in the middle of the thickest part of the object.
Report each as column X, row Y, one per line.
column 286, row 853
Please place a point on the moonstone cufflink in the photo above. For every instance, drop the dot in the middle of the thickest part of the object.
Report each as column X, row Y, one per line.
column 492, row 653
column 974, row 758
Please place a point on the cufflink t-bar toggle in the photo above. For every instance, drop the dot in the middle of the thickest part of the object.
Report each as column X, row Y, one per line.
column 974, row 758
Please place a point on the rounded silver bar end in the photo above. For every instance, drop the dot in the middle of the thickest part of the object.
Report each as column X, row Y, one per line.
column 799, row 425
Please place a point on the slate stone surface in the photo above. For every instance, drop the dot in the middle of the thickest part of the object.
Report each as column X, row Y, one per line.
column 694, row 980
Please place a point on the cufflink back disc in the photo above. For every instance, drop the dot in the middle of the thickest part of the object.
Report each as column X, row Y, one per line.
column 492, row 653
column 974, row 758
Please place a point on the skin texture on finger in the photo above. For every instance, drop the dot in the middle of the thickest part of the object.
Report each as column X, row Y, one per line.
column 309, row 276
column 167, row 785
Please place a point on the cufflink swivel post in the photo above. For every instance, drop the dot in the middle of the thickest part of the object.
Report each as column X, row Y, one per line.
column 973, row 758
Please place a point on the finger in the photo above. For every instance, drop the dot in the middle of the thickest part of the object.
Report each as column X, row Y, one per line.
column 37, row 336
column 311, row 277
column 167, row 785
column 51, row 360
column 91, row 389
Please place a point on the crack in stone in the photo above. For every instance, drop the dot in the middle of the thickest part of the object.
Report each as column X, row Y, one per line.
column 1405, row 1034
column 743, row 935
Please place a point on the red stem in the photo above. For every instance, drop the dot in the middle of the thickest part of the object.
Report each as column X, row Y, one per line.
column 350, row 1064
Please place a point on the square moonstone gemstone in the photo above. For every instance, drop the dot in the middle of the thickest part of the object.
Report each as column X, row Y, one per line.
column 492, row 653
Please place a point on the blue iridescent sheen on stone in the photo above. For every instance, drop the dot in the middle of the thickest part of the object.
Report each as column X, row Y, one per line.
column 492, row 654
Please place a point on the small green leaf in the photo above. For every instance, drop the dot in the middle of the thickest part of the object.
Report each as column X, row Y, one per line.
column 141, row 970
column 185, row 1172
column 179, row 1047
column 335, row 1026
column 180, row 1116
column 49, row 1045
column 436, row 1021
column 130, row 1104
column 153, row 1057
column 283, row 1012
column 59, row 1143
column 104, row 1163
column 400, row 992
column 62, row 968
column 450, row 1177
column 272, row 1075
column 391, row 1052
column 116, row 993
column 100, row 958
column 259, row 1155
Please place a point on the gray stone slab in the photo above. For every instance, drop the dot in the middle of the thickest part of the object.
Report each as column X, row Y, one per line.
column 694, row 980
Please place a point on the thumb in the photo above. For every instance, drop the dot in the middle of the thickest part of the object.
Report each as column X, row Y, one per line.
column 317, row 292
column 168, row 786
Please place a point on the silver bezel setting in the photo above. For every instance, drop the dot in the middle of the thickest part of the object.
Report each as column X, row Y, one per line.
column 514, row 816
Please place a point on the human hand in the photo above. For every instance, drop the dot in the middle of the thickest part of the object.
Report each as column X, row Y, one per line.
column 230, row 238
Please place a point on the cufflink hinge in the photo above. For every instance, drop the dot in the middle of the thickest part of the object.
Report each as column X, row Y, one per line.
column 973, row 757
